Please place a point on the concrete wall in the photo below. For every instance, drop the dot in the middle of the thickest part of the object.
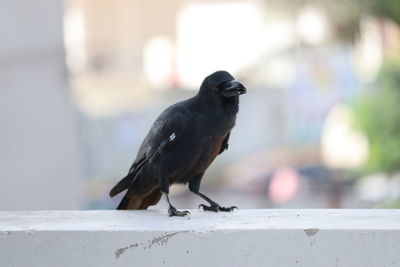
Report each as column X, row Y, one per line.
column 38, row 148
column 242, row 238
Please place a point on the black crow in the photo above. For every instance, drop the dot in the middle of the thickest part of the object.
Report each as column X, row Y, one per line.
column 181, row 144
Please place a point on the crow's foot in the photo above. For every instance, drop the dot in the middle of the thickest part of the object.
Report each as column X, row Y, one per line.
column 227, row 208
column 174, row 212
column 216, row 208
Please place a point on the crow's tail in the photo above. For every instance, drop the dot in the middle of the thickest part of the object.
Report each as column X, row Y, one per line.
column 140, row 202
column 128, row 180
column 122, row 185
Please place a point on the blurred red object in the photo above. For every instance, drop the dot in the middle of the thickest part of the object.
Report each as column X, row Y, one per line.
column 284, row 185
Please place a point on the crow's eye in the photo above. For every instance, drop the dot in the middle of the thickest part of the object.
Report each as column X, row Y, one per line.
column 223, row 85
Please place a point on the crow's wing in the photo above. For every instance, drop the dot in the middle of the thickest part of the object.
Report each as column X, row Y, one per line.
column 163, row 135
column 225, row 143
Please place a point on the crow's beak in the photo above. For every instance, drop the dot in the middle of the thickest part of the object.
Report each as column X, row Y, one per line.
column 233, row 88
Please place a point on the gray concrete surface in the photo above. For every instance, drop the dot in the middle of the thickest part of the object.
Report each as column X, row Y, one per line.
column 241, row 238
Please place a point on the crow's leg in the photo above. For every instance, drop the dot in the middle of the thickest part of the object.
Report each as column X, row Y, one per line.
column 194, row 186
column 172, row 211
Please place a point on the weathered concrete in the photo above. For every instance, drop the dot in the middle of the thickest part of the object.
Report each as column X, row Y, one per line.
column 242, row 238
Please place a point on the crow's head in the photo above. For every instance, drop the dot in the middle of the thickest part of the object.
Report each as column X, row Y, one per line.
column 219, row 91
column 221, row 84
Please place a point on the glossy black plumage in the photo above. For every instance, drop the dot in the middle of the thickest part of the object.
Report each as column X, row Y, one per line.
column 182, row 143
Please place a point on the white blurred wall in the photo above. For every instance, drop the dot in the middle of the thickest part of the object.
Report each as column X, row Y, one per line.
column 38, row 142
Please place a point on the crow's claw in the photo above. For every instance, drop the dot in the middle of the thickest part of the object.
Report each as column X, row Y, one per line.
column 216, row 208
column 209, row 208
column 174, row 212
column 228, row 208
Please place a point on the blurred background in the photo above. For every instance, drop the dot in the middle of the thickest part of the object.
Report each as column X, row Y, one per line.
column 81, row 82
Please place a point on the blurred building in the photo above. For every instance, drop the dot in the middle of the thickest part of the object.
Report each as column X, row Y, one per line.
column 39, row 158
column 83, row 80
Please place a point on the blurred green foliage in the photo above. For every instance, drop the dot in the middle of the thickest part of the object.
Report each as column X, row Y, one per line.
column 392, row 205
column 345, row 15
column 389, row 9
column 377, row 113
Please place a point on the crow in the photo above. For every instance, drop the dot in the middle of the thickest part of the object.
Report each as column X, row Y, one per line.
column 181, row 144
